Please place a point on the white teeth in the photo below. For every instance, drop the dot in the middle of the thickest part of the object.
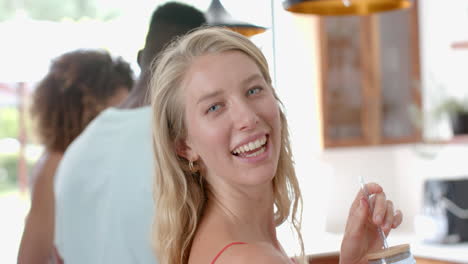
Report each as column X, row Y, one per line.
column 256, row 153
column 251, row 146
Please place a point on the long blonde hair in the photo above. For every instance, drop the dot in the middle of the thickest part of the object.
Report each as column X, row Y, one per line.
column 179, row 194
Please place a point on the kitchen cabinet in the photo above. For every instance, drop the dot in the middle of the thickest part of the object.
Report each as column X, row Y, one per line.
column 369, row 78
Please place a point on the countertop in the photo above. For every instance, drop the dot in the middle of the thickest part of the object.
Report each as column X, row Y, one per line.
column 329, row 244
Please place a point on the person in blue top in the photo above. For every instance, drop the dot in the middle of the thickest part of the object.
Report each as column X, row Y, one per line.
column 104, row 202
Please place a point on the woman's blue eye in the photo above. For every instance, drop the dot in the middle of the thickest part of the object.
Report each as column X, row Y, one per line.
column 254, row 90
column 214, row 108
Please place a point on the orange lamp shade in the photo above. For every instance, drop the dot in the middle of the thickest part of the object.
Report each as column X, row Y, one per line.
column 344, row 7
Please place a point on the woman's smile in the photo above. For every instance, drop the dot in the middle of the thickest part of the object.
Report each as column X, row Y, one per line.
column 253, row 151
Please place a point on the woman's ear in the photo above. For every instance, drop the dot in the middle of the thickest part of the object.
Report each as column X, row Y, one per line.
column 184, row 151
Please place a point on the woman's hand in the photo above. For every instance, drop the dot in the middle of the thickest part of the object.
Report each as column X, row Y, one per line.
column 361, row 234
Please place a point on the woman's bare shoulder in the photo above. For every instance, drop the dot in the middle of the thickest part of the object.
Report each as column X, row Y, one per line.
column 257, row 253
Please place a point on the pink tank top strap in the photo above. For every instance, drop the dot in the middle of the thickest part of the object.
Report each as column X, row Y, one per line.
column 224, row 249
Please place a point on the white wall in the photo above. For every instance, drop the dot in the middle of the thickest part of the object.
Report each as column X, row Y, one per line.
column 400, row 169
column 444, row 71
column 295, row 85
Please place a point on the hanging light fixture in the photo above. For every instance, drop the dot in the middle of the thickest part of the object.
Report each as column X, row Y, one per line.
column 343, row 7
column 216, row 15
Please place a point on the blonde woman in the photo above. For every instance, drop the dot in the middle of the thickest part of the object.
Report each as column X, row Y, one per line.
column 224, row 172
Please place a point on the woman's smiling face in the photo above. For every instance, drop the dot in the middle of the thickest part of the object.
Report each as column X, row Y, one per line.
column 232, row 120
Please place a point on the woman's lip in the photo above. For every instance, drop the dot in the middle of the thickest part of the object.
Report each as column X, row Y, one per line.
column 251, row 139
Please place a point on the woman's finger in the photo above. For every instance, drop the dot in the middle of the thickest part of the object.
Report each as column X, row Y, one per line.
column 389, row 216
column 397, row 219
column 357, row 220
column 380, row 209
column 372, row 188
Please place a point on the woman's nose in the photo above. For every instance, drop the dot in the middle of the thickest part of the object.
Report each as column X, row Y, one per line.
column 245, row 116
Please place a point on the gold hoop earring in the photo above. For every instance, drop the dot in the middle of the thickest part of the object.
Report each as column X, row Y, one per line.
column 190, row 165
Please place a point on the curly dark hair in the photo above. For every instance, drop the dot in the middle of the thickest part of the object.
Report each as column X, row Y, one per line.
column 77, row 87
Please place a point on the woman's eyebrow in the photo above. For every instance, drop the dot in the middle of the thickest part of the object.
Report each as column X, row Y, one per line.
column 218, row 92
column 209, row 96
column 252, row 78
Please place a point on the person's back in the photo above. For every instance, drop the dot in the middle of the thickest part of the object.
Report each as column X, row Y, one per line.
column 104, row 183
column 104, row 199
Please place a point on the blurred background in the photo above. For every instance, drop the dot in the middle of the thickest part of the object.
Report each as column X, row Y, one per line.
column 338, row 130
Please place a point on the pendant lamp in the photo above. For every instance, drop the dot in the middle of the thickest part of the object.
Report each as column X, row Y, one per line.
column 343, row 7
column 216, row 15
